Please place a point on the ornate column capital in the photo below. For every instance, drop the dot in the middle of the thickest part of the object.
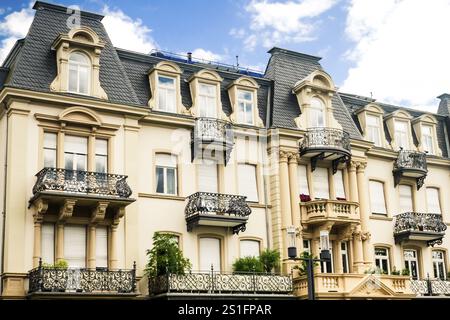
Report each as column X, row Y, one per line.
column 293, row 157
column 361, row 167
column 284, row 156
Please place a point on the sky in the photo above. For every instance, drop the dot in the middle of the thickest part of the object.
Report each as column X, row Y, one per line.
column 394, row 50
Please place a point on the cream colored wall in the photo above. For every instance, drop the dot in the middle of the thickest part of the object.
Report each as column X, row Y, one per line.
column 3, row 119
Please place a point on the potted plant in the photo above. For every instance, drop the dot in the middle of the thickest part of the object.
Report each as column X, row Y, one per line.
column 270, row 260
column 248, row 264
column 405, row 272
column 395, row 272
column 305, row 197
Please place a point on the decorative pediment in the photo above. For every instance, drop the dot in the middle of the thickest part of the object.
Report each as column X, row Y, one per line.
column 167, row 66
column 245, row 82
column 426, row 119
column 372, row 108
column 318, row 80
column 80, row 115
column 371, row 286
column 83, row 36
column 206, row 74
column 399, row 114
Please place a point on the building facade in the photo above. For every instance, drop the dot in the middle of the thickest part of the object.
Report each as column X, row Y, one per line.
column 103, row 147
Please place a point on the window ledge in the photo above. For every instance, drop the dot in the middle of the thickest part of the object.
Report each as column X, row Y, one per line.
column 161, row 196
column 258, row 205
column 380, row 217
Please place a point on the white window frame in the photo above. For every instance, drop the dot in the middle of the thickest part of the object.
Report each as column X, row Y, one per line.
column 439, row 261
column 75, row 155
column 51, row 148
column 315, row 184
column 318, row 110
column 165, row 88
column 404, row 186
column 380, row 258
column 409, row 260
column 205, row 98
column 345, row 257
column 99, row 154
column 428, row 139
column 78, row 65
column 242, row 115
column 400, row 135
column 374, row 131
column 438, row 200
column 240, row 180
column 339, row 184
column 373, row 199
column 249, row 240
column 308, row 245
column 165, row 179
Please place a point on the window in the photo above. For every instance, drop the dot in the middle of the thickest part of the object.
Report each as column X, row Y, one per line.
column 317, row 113
column 247, row 182
column 210, row 254
column 75, row 245
column 50, row 149
column 427, row 139
column 75, row 153
column 245, row 105
column 101, row 155
column 166, row 94
column 327, row 266
column 439, row 271
column 339, row 185
column 302, row 179
column 411, row 263
column 344, row 256
column 207, row 177
column 101, row 247
column 207, row 100
column 433, row 204
column 166, row 173
column 249, row 248
column 401, row 134
column 320, row 179
column 79, row 73
column 48, row 243
column 382, row 259
column 307, row 246
column 374, row 129
column 406, row 203
column 377, row 202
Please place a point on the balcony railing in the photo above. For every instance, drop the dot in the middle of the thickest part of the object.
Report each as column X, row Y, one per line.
column 410, row 164
column 221, row 283
column 431, row 287
column 217, row 209
column 84, row 182
column 47, row 279
column 318, row 211
column 419, row 226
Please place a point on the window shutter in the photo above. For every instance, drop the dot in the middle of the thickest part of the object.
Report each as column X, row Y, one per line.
column 302, row 180
column 247, row 182
column 48, row 243
column 405, row 198
column 101, row 247
column 75, row 245
column 249, row 248
column 433, row 200
column 377, row 201
column 207, row 177
column 321, row 190
column 209, row 254
column 339, row 184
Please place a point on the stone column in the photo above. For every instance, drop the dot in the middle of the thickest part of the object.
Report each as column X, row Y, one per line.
column 293, row 186
column 59, row 242
column 353, row 182
column 364, row 210
column 358, row 258
column 285, row 193
column 338, row 267
column 315, row 251
column 40, row 207
column 113, row 261
column 91, row 247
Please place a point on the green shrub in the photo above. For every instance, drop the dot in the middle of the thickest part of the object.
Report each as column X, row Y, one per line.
column 61, row 264
column 405, row 272
column 375, row 270
column 270, row 260
column 395, row 272
column 248, row 264
column 303, row 267
column 165, row 257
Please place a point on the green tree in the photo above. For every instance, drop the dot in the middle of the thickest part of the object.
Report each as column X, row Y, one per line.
column 248, row 264
column 270, row 259
column 165, row 256
column 302, row 268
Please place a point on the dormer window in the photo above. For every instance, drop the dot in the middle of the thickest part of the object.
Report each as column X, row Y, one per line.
column 317, row 113
column 401, row 134
column 79, row 73
column 207, row 100
column 245, row 107
column 371, row 120
column 243, row 94
column 166, row 94
column 425, row 130
column 373, row 129
column 427, row 139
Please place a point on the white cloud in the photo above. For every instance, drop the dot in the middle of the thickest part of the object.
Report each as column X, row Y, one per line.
column 202, row 54
column 13, row 27
column 272, row 23
column 127, row 33
column 400, row 51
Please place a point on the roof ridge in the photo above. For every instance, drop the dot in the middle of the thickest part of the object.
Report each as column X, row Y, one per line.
column 40, row 5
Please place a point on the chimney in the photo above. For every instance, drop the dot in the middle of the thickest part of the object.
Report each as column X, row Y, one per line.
column 189, row 57
column 444, row 105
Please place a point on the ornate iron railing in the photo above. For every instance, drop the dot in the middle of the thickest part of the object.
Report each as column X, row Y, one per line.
column 408, row 159
column 205, row 202
column 327, row 138
column 221, row 282
column 213, row 130
column 415, row 221
column 48, row 279
column 74, row 181
column 430, row 287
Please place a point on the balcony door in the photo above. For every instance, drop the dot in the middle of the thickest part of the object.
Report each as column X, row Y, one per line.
column 210, row 254
column 75, row 153
column 207, row 176
column 411, row 263
column 75, row 246
column 207, row 100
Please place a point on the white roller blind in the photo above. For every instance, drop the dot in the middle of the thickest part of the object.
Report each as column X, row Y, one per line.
column 433, row 200
column 209, row 254
column 101, row 247
column 406, row 204
column 339, row 184
column 377, row 202
column 75, row 245
column 166, row 160
column 207, row 177
column 320, row 179
column 249, row 248
column 48, row 243
column 302, row 180
column 73, row 144
column 247, row 182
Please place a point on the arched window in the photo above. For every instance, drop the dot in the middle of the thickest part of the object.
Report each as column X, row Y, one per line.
column 317, row 113
column 79, row 73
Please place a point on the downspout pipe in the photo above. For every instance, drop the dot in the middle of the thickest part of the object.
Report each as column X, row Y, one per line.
column 266, row 196
column 2, row 265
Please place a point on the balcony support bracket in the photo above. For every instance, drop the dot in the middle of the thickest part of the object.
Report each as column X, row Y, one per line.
column 316, row 158
column 239, row 228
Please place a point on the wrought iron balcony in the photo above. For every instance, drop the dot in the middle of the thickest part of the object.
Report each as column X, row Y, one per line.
column 210, row 136
column 411, row 164
column 338, row 211
column 82, row 182
column 431, row 287
column 48, row 279
column 419, row 226
column 214, row 282
column 215, row 209
column 326, row 144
